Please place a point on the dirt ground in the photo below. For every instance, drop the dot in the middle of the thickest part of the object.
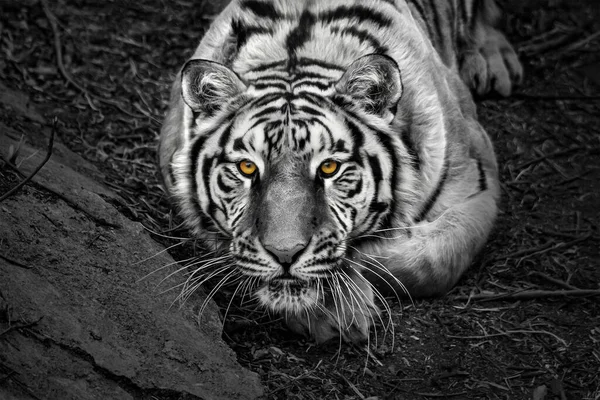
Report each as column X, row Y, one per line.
column 522, row 324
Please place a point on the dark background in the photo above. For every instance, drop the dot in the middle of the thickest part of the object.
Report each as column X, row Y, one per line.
column 507, row 331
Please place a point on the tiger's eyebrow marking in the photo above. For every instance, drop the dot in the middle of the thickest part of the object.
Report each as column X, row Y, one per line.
column 261, row 9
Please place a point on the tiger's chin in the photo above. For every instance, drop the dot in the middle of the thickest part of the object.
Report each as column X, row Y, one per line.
column 289, row 296
column 312, row 309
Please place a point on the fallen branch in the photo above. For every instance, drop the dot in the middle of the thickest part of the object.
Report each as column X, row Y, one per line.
column 48, row 154
column 14, row 262
column 544, row 248
column 544, row 157
column 576, row 45
column 508, row 333
column 20, row 326
column 528, row 295
column 557, row 282
column 444, row 395
column 542, row 97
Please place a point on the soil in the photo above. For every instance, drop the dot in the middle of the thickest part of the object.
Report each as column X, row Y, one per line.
column 523, row 323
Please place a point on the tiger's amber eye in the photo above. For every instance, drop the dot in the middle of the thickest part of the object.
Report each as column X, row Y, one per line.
column 328, row 168
column 247, row 167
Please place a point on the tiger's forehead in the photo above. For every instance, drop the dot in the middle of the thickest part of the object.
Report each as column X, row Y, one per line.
column 288, row 123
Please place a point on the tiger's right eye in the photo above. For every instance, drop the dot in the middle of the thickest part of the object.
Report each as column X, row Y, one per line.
column 328, row 168
column 247, row 168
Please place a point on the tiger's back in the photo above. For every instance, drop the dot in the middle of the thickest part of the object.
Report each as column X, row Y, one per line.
column 332, row 141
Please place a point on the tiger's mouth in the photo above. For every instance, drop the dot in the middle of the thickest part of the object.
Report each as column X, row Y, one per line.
column 291, row 284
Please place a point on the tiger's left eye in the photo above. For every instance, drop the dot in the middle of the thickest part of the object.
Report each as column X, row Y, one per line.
column 247, row 167
column 328, row 168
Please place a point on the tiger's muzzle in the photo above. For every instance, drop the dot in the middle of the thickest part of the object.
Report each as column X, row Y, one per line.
column 286, row 215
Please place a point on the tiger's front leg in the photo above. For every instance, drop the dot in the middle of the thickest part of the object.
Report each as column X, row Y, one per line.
column 489, row 63
column 493, row 66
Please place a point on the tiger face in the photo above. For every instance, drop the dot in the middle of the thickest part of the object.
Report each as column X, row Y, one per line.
column 293, row 176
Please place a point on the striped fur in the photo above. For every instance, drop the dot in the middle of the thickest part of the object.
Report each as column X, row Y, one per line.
column 372, row 86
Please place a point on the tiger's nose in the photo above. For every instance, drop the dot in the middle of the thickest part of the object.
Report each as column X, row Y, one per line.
column 286, row 256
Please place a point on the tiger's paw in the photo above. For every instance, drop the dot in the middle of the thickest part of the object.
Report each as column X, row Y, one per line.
column 493, row 67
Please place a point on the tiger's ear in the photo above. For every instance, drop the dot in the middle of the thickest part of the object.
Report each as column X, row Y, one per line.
column 207, row 85
column 374, row 81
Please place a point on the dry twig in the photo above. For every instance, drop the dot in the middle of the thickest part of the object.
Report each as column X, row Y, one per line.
column 48, row 154
column 544, row 248
column 63, row 70
column 529, row 295
column 14, row 262
column 20, row 326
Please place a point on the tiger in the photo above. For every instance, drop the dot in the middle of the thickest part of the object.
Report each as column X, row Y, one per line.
column 329, row 152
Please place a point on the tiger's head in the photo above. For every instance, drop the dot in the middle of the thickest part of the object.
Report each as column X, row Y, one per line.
column 292, row 168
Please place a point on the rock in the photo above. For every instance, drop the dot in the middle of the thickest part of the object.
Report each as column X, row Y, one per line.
column 78, row 321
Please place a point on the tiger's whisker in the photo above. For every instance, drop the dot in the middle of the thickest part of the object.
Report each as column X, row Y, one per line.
column 215, row 290
column 166, row 249
column 160, row 269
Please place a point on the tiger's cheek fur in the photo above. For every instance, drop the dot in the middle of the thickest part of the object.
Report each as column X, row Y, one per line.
column 349, row 198
column 230, row 193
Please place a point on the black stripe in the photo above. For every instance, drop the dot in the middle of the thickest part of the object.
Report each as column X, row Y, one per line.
column 415, row 160
column 358, row 140
column 261, row 9
column 357, row 189
column 363, row 36
column 306, row 61
column 244, row 33
column 434, row 196
column 359, row 13
column 206, row 169
column 464, row 17
column 376, row 171
column 265, row 111
column 419, row 9
column 222, row 185
column 270, row 78
column 388, row 146
column 336, row 215
column 272, row 85
column 239, row 145
column 267, row 66
column 474, row 16
column 439, row 39
column 482, row 178
column 454, row 26
column 258, row 122
column 236, row 220
column 266, row 99
column 225, row 136
column 310, row 111
column 377, row 177
column 340, row 146
column 195, row 154
column 306, row 74
column 314, row 84
column 375, row 213
column 298, row 36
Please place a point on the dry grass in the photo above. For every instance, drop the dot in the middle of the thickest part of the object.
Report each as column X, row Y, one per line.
column 522, row 322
